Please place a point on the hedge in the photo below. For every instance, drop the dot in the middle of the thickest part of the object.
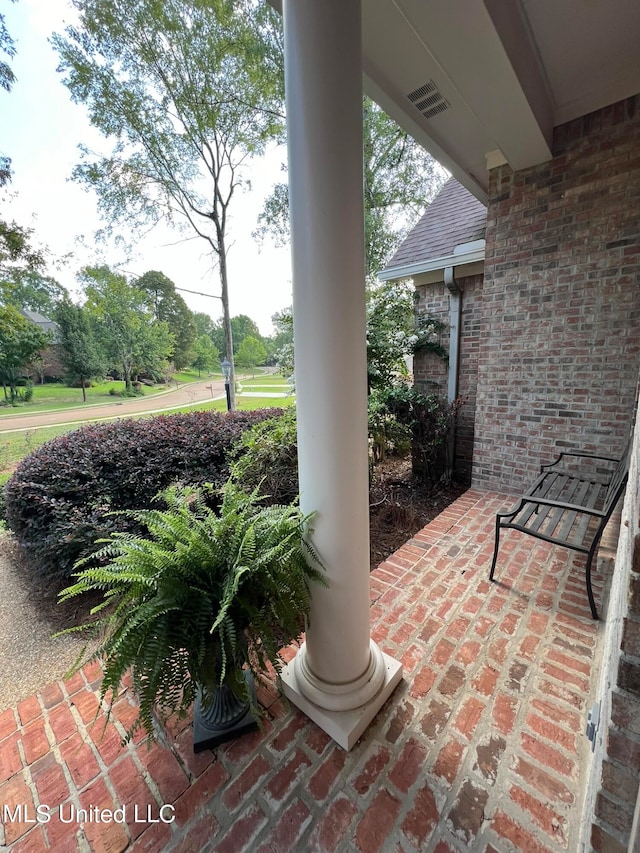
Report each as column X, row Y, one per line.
column 59, row 499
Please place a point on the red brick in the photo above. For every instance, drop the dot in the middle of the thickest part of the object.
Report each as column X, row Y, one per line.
column 199, row 834
column 467, row 814
column 195, row 762
column 469, row 716
column 32, row 842
column 569, row 662
column 252, row 776
column 29, row 709
column 153, row 840
column 317, row 740
column 10, row 761
column 553, row 823
column 34, row 741
column 288, row 830
column 8, row 724
column 505, row 827
column 548, row 756
column 423, row 682
column 411, row 658
column 200, row 793
column 103, row 837
column 80, row 760
column 15, row 793
column 402, row 718
column 558, row 714
column 49, row 779
column 281, row 784
column 332, row 828
column 237, row 751
column 459, row 627
column 486, row 680
column 546, row 784
column 408, row 766
column 549, row 731
column 489, row 754
column 166, row 772
column 62, row 722
column 430, row 629
column 51, row 695
column 325, row 777
column 377, row 822
column 283, row 739
column 452, row 681
column 422, row 819
column 442, row 653
column 449, row 760
column 378, row 759
column 134, row 794
column 435, row 719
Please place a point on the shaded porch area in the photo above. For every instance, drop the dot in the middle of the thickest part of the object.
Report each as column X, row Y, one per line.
column 480, row 748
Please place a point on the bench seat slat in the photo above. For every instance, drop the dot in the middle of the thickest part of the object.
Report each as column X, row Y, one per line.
column 587, row 495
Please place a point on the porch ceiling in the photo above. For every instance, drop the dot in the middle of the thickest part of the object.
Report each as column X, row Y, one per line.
column 492, row 78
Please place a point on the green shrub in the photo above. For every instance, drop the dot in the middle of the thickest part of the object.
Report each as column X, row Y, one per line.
column 387, row 435
column 59, row 499
column 431, row 420
column 266, row 457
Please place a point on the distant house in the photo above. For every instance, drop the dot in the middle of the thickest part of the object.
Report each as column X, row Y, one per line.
column 444, row 255
column 50, row 366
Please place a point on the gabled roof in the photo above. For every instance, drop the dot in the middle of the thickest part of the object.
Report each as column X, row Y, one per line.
column 45, row 324
column 453, row 218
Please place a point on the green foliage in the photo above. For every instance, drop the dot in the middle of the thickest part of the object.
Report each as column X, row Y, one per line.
column 251, row 352
column 20, row 342
column 266, row 457
column 171, row 308
column 242, row 327
column 31, row 290
column 386, row 434
column 206, row 355
column 133, row 340
column 7, row 46
column 59, row 498
column 282, row 341
column 431, row 421
column 198, row 597
column 81, row 354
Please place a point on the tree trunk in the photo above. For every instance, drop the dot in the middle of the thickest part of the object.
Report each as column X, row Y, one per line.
column 226, row 316
column 84, row 393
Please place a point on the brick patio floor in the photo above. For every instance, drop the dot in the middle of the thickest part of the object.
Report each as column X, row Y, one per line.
column 479, row 749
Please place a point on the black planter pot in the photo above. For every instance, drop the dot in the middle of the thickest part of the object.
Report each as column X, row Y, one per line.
column 226, row 718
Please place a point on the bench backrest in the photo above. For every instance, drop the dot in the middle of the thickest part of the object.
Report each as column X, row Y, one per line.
column 618, row 482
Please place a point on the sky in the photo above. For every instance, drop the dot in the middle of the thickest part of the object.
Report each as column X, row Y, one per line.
column 40, row 129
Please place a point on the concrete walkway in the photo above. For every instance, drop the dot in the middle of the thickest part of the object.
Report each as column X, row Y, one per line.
column 481, row 747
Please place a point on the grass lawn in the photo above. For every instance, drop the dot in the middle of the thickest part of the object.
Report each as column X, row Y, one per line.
column 57, row 397
column 16, row 445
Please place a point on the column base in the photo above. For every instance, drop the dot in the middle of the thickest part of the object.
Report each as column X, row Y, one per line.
column 344, row 727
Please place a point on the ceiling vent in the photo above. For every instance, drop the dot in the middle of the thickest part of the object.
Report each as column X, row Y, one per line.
column 428, row 100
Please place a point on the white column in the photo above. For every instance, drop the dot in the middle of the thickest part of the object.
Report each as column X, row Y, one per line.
column 339, row 678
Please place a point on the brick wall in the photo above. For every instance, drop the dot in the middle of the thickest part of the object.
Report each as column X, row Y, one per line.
column 560, row 327
column 430, row 373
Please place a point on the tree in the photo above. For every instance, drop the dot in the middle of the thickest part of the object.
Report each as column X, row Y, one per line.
column 171, row 307
column 188, row 90
column 206, row 354
column 7, row 46
column 241, row 327
column 33, row 291
column 250, row 353
column 204, row 324
column 400, row 179
column 133, row 340
column 20, row 342
column 81, row 355
column 282, row 341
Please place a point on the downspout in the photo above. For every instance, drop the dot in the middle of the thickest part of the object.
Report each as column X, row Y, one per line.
column 455, row 323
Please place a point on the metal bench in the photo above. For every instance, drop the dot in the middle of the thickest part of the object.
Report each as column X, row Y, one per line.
column 569, row 504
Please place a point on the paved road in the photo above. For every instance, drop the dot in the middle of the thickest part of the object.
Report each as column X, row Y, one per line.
column 185, row 395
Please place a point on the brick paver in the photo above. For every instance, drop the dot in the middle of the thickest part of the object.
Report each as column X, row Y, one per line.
column 479, row 748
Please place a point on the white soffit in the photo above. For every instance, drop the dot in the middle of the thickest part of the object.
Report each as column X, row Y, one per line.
column 464, row 253
column 454, row 51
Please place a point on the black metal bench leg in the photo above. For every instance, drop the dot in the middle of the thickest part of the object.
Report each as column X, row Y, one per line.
column 495, row 549
column 592, row 603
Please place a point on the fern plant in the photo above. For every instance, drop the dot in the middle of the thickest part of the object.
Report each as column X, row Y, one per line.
column 199, row 598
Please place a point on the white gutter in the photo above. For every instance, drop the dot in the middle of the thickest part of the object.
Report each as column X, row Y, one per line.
column 465, row 253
